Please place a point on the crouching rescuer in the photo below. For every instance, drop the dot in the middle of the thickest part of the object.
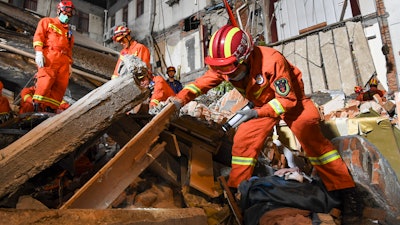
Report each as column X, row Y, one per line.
column 275, row 87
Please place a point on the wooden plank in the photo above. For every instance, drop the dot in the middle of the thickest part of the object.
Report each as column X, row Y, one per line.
column 185, row 137
column 330, row 60
column 315, row 64
column 63, row 133
column 123, row 129
column 181, row 216
column 300, row 61
column 201, row 171
column 172, row 143
column 105, row 186
column 162, row 168
column 315, row 27
column 345, row 60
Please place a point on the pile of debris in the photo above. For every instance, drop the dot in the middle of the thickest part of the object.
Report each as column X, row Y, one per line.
column 188, row 173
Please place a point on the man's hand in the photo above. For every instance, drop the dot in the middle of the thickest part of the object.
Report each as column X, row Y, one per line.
column 247, row 114
column 39, row 59
column 177, row 102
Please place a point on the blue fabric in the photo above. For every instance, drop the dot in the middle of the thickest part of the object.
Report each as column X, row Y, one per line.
column 175, row 85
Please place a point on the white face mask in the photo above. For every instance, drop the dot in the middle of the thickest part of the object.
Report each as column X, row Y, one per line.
column 63, row 18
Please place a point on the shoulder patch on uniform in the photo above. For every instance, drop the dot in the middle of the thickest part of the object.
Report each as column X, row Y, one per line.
column 282, row 86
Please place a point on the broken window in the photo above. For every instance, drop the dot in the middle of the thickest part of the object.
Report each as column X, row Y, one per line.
column 83, row 22
column 112, row 21
column 31, row 4
column 191, row 23
column 139, row 8
column 125, row 14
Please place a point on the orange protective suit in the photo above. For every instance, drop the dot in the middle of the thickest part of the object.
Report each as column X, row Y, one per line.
column 161, row 91
column 276, row 88
column 5, row 109
column 368, row 95
column 137, row 49
column 55, row 40
column 26, row 104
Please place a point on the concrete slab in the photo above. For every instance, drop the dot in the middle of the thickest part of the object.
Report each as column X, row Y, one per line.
column 315, row 64
column 345, row 60
column 330, row 60
column 361, row 51
column 300, row 61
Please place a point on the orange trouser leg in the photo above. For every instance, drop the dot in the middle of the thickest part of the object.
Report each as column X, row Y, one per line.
column 45, row 78
column 305, row 125
column 247, row 144
column 60, row 85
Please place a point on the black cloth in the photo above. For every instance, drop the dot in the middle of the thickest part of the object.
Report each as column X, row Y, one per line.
column 261, row 194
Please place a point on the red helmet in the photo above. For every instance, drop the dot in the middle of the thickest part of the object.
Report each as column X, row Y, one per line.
column 229, row 46
column 120, row 32
column 358, row 89
column 171, row 68
column 66, row 6
column 373, row 82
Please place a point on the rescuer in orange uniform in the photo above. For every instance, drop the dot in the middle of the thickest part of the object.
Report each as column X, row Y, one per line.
column 5, row 109
column 369, row 94
column 275, row 86
column 53, row 42
column 122, row 35
column 160, row 90
column 26, row 103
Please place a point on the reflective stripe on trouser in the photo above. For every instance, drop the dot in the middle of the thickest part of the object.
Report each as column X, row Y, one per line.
column 247, row 144
column 52, row 80
column 329, row 165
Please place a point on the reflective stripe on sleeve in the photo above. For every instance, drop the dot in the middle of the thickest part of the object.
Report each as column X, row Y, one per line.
column 155, row 101
column 37, row 43
column 193, row 88
column 276, row 106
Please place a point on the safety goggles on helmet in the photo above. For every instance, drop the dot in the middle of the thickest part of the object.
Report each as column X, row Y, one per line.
column 66, row 7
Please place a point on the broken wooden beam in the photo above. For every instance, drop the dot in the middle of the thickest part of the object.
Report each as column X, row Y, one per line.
column 106, row 185
column 184, row 216
column 63, row 133
column 32, row 56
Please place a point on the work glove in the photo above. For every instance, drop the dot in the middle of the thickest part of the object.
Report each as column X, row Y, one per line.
column 247, row 114
column 177, row 102
column 157, row 109
column 39, row 59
